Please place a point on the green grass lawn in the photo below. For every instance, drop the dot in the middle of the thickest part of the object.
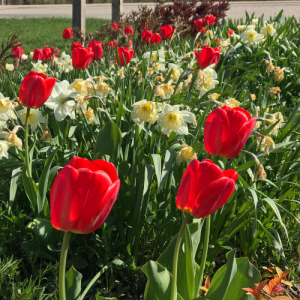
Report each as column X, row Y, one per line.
column 35, row 33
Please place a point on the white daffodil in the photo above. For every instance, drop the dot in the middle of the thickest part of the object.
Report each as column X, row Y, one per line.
column 269, row 29
column 24, row 57
column 175, row 70
column 159, row 67
column 171, row 119
column 186, row 153
column 35, row 116
column 100, row 89
column 12, row 138
column 4, row 145
column 9, row 67
column 251, row 36
column 255, row 21
column 61, row 101
column 6, row 109
column 156, row 55
column 224, row 45
column 144, row 111
column 64, row 58
column 164, row 90
column 206, row 80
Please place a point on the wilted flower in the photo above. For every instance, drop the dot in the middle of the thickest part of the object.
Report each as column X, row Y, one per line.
column 278, row 74
column 258, row 123
column 171, row 119
column 35, row 116
column 12, row 138
column 253, row 97
column 144, row 111
column 186, row 153
column 158, row 66
column 274, row 91
column 266, row 143
column 79, row 85
column 89, row 114
column 270, row 67
column 260, row 173
column 272, row 119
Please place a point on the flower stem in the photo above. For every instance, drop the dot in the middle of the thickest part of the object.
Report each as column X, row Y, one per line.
column 62, row 266
column 27, row 160
column 205, row 247
column 175, row 258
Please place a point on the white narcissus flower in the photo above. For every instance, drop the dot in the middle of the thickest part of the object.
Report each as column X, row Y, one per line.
column 251, row 36
column 12, row 138
column 4, row 145
column 60, row 100
column 6, row 109
column 64, row 58
column 24, row 57
column 206, row 80
column 269, row 29
column 158, row 66
column 144, row 111
column 255, row 21
column 186, row 153
column 175, row 70
column 171, row 119
column 9, row 67
column 156, row 55
column 35, row 116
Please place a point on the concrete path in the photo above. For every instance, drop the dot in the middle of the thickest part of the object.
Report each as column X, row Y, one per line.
column 103, row 11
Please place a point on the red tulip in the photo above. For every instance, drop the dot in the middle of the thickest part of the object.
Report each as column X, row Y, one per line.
column 113, row 44
column 218, row 41
column 209, row 20
column 67, row 33
column 202, row 30
column 198, row 24
column 37, row 54
column 97, row 49
column 82, row 57
column 35, row 89
column 128, row 30
column 18, row 51
column 230, row 32
column 75, row 45
column 115, row 27
column 226, row 131
column 130, row 44
column 147, row 36
column 207, row 56
column 47, row 52
column 156, row 38
column 82, row 195
column 204, row 188
column 166, row 31
column 124, row 53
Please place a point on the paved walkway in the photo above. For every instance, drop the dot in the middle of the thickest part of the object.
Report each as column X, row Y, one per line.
column 103, row 11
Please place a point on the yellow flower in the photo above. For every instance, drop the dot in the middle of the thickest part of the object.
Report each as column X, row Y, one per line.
column 268, row 28
column 266, row 143
column 231, row 102
column 241, row 28
column 5, row 105
column 158, row 66
column 213, row 96
column 278, row 74
column 209, row 33
column 254, row 21
column 89, row 114
column 144, row 111
column 186, row 153
column 164, row 90
column 176, row 71
column 253, row 97
column 79, row 85
column 274, row 91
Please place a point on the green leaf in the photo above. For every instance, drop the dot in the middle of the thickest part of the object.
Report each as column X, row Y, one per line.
column 222, row 279
column 108, row 140
column 190, row 264
column 43, row 184
column 73, row 284
column 157, row 167
column 29, row 189
column 169, row 158
column 13, row 187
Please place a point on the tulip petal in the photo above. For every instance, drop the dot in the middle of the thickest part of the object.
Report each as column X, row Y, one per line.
column 107, row 167
column 213, row 197
column 216, row 131
column 231, row 174
column 80, row 163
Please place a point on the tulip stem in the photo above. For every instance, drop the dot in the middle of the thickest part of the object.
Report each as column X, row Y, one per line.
column 27, row 160
column 205, row 248
column 62, row 266
column 175, row 258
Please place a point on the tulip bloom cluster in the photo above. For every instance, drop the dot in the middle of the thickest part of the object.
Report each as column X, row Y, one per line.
column 155, row 38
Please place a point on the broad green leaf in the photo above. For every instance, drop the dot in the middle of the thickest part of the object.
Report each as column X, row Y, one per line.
column 73, row 284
